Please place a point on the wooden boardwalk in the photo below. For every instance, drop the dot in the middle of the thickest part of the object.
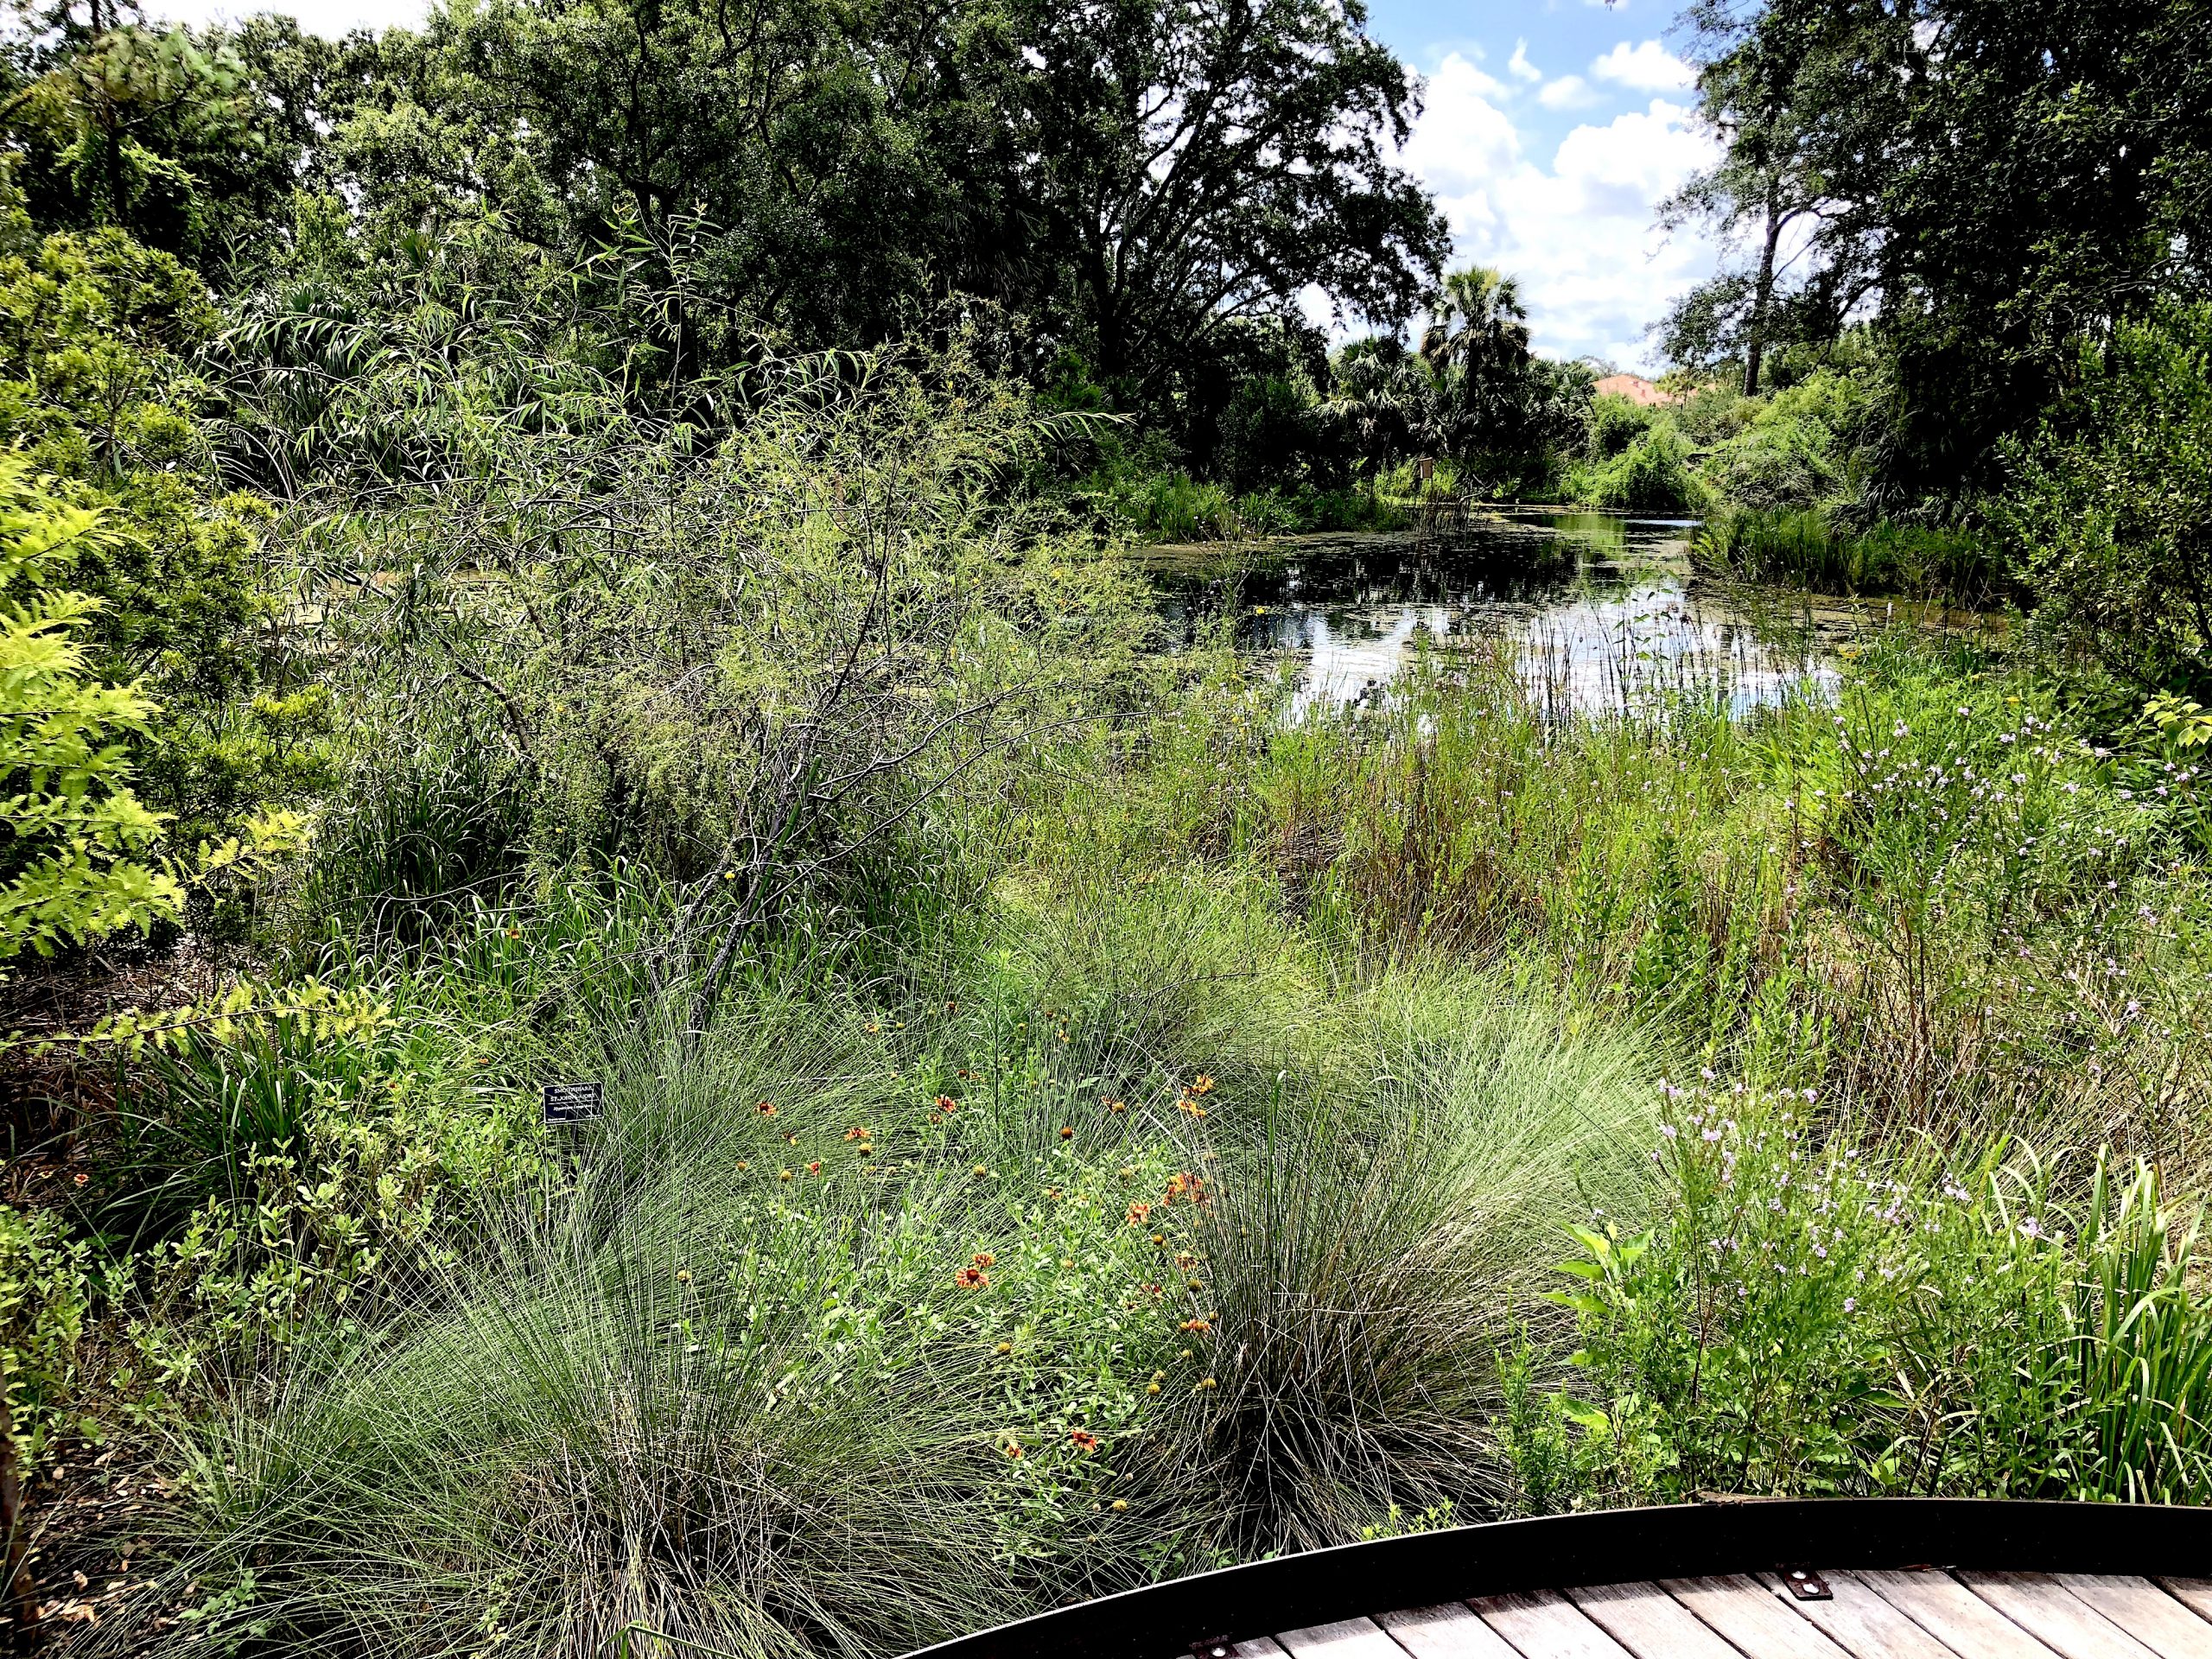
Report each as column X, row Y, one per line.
column 1923, row 1614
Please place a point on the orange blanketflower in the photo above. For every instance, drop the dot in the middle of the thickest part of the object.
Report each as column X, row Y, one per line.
column 970, row 1279
column 1084, row 1440
column 765, row 1109
column 1198, row 1087
column 1115, row 1105
column 1195, row 1325
column 855, row 1134
column 1067, row 1131
column 947, row 1104
column 814, row 1168
column 984, row 1259
column 1015, row 1452
column 1140, row 1214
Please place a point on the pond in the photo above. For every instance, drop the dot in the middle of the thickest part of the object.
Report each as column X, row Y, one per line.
column 1603, row 610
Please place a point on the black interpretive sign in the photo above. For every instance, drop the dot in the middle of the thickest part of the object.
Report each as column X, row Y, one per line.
column 575, row 1102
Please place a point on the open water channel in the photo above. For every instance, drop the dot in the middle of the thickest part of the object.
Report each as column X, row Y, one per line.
column 1602, row 610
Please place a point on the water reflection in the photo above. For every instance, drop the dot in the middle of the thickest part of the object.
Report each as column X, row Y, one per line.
column 1603, row 611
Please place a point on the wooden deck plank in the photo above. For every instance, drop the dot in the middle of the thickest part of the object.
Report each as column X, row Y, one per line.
column 1951, row 1614
column 1259, row 1647
column 1350, row 1638
column 2158, row 1621
column 2060, row 1620
column 1547, row 1626
column 1748, row 1614
column 1451, row 1632
column 1861, row 1623
column 2196, row 1594
column 1649, row 1623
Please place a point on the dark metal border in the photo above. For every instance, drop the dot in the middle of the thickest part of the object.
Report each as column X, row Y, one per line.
column 1609, row 1546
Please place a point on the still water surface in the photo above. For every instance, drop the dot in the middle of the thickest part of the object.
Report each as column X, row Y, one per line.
column 1603, row 611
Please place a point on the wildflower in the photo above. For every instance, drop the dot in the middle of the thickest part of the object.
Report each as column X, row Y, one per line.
column 1140, row 1214
column 80, row 1178
column 1067, row 1131
column 1199, row 1326
column 814, row 1168
column 855, row 1134
column 1121, row 1505
column 1152, row 1388
column 1115, row 1106
column 683, row 1275
column 1085, row 1442
column 1198, row 1087
column 947, row 1104
column 874, row 1026
column 765, row 1109
column 1006, row 1347
column 1851, row 1303
column 742, row 1164
column 783, row 1174
column 980, row 1170
column 1014, row 1451
column 985, row 1258
column 970, row 1279
column 1208, row 1382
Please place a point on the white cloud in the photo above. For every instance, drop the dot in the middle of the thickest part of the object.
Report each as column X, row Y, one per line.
column 1567, row 92
column 1649, row 67
column 1519, row 66
column 1575, row 233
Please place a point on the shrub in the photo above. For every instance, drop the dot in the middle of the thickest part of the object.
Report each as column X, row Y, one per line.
column 2110, row 497
column 75, row 866
column 1815, row 1317
column 45, row 1292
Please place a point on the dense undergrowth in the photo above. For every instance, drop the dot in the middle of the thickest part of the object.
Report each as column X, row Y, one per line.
column 1169, row 1153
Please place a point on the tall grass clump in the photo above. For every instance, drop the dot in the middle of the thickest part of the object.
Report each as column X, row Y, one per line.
column 1367, row 1237
column 1801, row 548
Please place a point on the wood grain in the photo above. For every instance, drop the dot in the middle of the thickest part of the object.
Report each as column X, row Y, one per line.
column 1747, row 1613
column 2158, row 1620
column 1545, row 1624
column 1451, row 1631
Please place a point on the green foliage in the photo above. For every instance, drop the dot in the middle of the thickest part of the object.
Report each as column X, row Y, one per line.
column 1812, row 1319
column 2108, row 516
column 76, row 859
column 45, row 1279
column 1651, row 474
column 1801, row 548
column 100, row 333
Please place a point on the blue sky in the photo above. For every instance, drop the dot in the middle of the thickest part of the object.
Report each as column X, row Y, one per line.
column 1552, row 128
column 1552, row 131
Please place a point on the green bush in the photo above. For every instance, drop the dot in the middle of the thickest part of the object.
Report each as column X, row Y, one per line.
column 1652, row 474
column 45, row 1297
column 1812, row 1317
column 2109, row 499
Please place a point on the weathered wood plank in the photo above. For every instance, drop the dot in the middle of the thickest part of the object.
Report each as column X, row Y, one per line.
column 2038, row 1603
column 2196, row 1594
column 1746, row 1612
column 2156, row 1619
column 1861, row 1623
column 1350, row 1638
column 1953, row 1614
column 1259, row 1647
column 1451, row 1631
column 1650, row 1623
column 1545, row 1624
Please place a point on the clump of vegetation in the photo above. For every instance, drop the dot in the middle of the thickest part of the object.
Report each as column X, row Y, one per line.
column 492, row 597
